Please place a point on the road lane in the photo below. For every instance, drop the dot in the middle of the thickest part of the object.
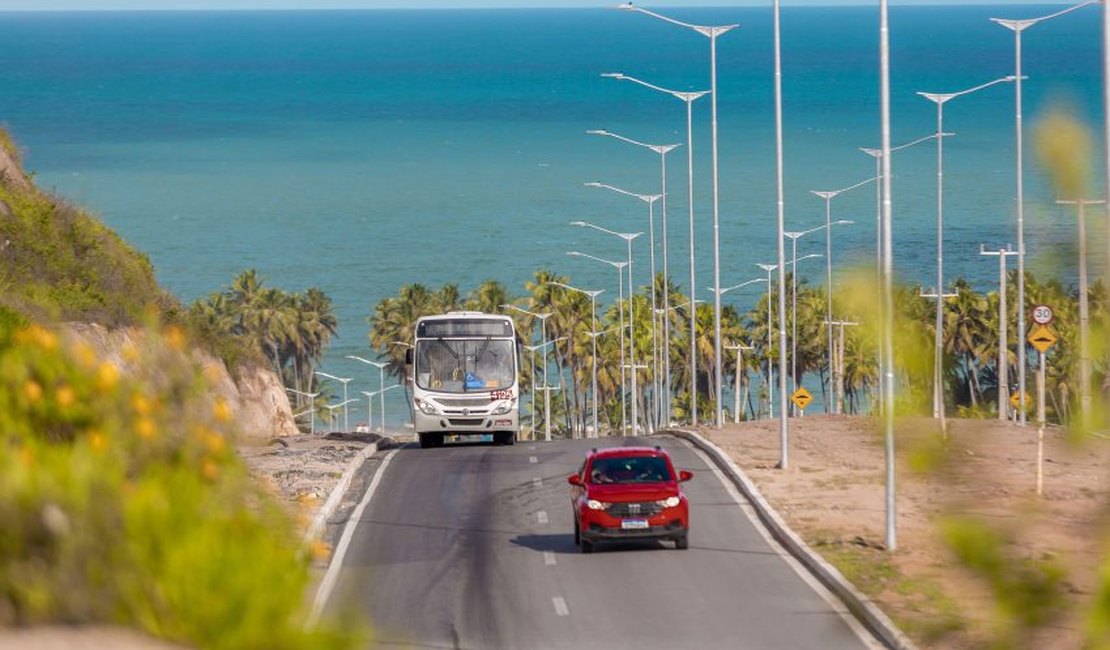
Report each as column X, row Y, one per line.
column 471, row 547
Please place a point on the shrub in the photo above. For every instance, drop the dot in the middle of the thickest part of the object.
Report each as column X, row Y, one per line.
column 122, row 500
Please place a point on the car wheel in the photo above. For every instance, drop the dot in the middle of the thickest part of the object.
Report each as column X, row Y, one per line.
column 682, row 543
column 587, row 546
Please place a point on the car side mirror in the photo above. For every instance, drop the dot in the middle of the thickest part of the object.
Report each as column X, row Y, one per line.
column 575, row 479
column 684, row 476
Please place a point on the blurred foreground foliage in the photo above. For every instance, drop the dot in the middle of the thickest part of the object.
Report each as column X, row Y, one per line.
column 122, row 500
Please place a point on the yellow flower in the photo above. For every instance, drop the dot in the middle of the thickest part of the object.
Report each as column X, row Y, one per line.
column 65, row 396
column 221, row 410
column 209, row 469
column 37, row 335
column 33, row 391
column 175, row 337
column 214, row 442
column 140, row 404
column 145, row 428
column 98, row 441
column 84, row 354
column 107, row 376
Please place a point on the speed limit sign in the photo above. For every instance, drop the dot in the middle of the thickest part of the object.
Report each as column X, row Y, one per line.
column 1042, row 314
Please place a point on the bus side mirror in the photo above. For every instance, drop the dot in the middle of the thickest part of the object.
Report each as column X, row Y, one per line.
column 408, row 357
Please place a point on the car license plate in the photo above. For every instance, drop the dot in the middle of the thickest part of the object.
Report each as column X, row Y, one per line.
column 634, row 524
column 485, row 437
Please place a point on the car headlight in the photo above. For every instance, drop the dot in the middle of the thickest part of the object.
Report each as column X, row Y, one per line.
column 669, row 502
column 427, row 408
column 593, row 504
column 503, row 408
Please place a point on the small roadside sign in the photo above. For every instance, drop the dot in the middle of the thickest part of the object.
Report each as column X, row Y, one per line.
column 1042, row 314
column 801, row 398
column 1042, row 337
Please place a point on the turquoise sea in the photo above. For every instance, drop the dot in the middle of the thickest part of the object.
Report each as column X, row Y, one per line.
column 360, row 151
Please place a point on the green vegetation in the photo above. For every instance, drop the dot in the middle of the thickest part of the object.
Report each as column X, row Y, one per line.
column 123, row 502
column 59, row 263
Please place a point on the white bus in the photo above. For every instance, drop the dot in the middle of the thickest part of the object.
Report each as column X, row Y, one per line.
column 464, row 369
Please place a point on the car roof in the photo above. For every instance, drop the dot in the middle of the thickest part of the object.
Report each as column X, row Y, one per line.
column 624, row 452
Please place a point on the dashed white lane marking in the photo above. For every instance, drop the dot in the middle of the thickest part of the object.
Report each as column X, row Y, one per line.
column 542, row 516
column 537, row 483
column 531, row 448
column 533, row 459
column 560, row 606
column 549, row 558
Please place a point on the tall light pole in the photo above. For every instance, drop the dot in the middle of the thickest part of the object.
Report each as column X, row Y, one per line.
column 770, row 386
column 794, row 237
column 343, row 380
column 940, row 99
column 650, row 199
column 627, row 237
column 1003, row 317
column 688, row 98
column 620, row 310
column 887, row 338
column 311, row 408
column 784, row 426
column 381, row 384
column 723, row 291
column 828, row 196
column 662, row 150
column 331, row 412
column 1084, row 325
column 547, row 394
column 711, row 32
column 1017, row 27
column 877, row 154
column 382, row 391
column 593, row 294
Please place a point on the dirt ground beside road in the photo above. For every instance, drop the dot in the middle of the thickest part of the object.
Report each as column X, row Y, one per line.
column 833, row 495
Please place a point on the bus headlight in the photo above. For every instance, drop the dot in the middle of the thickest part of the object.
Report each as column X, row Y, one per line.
column 427, row 408
column 502, row 408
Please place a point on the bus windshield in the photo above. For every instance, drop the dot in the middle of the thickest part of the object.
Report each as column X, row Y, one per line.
column 464, row 365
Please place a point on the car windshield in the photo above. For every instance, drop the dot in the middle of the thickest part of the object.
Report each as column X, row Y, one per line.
column 630, row 469
column 465, row 366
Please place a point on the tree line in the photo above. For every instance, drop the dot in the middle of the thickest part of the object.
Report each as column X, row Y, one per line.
column 969, row 366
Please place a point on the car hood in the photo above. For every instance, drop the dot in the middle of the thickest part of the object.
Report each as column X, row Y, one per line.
column 628, row 492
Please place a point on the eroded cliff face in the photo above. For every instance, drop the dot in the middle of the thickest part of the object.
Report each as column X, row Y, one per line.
column 258, row 400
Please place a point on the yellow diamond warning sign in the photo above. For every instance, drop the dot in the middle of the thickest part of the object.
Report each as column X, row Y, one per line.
column 1042, row 337
column 801, row 398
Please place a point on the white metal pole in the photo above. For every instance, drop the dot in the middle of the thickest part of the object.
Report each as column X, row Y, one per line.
column 1084, row 308
column 620, row 304
column 794, row 318
column 693, row 273
column 784, row 423
column 654, row 338
column 888, row 277
column 632, row 338
column 716, row 236
column 1040, row 426
column 593, row 365
column 828, row 196
column 546, row 391
column 666, row 396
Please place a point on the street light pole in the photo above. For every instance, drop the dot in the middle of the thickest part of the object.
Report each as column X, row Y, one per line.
column 1017, row 27
column 1084, row 324
column 593, row 294
column 770, row 379
column 627, row 237
column 1003, row 317
column 547, row 394
column 620, row 310
column 940, row 99
column 343, row 380
column 739, row 369
column 711, row 32
column 887, row 369
column 311, row 408
column 689, row 98
column 381, row 385
column 650, row 199
column 828, row 196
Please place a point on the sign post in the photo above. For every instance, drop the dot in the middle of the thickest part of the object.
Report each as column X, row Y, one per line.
column 1042, row 338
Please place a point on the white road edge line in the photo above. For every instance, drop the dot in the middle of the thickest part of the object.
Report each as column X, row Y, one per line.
column 332, row 574
column 537, row 483
column 549, row 558
column 560, row 606
column 533, row 459
column 542, row 516
column 839, row 607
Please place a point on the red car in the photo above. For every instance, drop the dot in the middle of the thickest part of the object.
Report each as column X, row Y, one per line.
column 625, row 493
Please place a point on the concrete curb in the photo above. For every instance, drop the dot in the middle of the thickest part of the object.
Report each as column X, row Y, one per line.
column 860, row 605
column 337, row 492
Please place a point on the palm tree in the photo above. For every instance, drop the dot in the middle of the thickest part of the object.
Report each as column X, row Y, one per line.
column 488, row 297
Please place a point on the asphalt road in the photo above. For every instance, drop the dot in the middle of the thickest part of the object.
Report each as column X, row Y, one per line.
column 471, row 547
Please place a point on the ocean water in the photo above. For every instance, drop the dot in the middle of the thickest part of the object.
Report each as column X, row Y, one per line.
column 361, row 151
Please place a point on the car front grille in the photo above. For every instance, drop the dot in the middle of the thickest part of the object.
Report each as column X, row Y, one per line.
column 640, row 509
column 465, row 422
